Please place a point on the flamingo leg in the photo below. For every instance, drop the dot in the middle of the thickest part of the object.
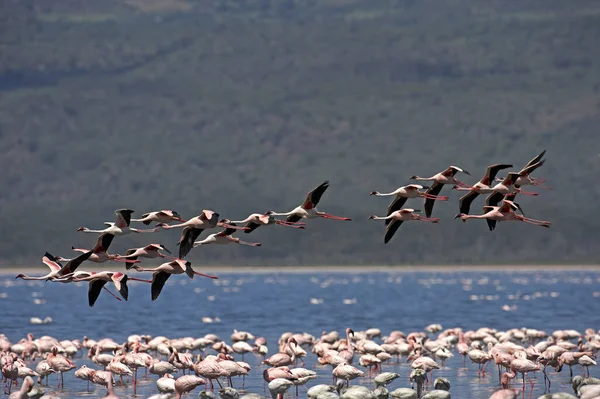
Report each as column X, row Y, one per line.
column 435, row 197
column 250, row 244
column 333, row 217
column 206, row 275
column 293, row 225
column 530, row 193
column 461, row 184
column 107, row 290
column 229, row 226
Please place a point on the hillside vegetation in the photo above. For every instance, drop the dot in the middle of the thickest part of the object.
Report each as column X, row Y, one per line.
column 244, row 106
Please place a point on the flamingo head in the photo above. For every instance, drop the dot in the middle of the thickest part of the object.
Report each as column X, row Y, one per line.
column 82, row 229
column 371, row 217
column 374, row 193
column 19, row 276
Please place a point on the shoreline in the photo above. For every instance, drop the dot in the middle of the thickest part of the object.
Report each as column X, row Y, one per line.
column 334, row 269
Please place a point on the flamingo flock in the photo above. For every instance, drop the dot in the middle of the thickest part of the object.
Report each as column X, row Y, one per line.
column 180, row 365
column 500, row 207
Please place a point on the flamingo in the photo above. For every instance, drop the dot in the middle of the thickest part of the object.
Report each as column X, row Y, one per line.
column 522, row 366
column 308, row 209
column 194, row 227
column 278, row 387
column 59, row 363
column 99, row 254
column 346, row 372
column 283, row 359
column 525, row 179
column 163, row 216
column 56, row 269
column 255, row 220
column 25, row 388
column 120, row 227
column 504, row 213
column 187, row 383
column 398, row 217
column 68, row 278
column 162, row 273
column 403, row 193
column 482, row 186
column 150, row 251
column 224, row 237
column 506, row 187
column 439, row 179
column 348, row 354
column 98, row 280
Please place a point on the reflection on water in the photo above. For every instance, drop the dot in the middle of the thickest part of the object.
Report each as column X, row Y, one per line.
column 270, row 304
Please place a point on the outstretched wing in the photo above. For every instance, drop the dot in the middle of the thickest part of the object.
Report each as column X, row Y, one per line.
column 396, row 204
column 158, row 282
column 530, row 168
column 391, row 230
column 293, row 218
column 50, row 261
column 536, row 159
column 103, row 242
column 186, row 242
column 464, row 203
column 129, row 265
column 94, row 290
column 123, row 217
column 491, row 224
column 433, row 190
column 492, row 171
column 74, row 263
column 313, row 198
column 251, row 226
column 494, row 198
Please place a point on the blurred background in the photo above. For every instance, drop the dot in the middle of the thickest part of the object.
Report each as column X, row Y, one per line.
column 244, row 106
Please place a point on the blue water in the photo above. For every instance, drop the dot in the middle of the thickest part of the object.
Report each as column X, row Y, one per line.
column 270, row 304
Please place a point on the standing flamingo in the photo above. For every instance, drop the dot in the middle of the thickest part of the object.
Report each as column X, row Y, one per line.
column 163, row 216
column 439, row 179
column 283, row 359
column 224, row 237
column 98, row 280
column 398, row 217
column 504, row 213
column 121, row 225
column 256, row 220
column 308, row 209
column 162, row 273
column 59, row 363
column 150, row 251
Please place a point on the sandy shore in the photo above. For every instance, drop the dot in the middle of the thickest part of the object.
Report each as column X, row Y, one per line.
column 35, row 270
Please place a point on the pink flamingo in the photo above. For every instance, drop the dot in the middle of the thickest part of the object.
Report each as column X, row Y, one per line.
column 522, row 366
column 504, row 213
column 256, row 220
column 525, row 178
column 98, row 280
column 482, row 186
column 56, row 269
column 308, row 209
column 163, row 216
column 120, row 226
column 99, row 252
column 161, row 274
column 439, row 179
column 150, row 251
column 399, row 217
column 59, row 363
column 283, row 359
column 224, row 237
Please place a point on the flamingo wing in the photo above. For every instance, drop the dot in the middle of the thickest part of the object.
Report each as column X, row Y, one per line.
column 391, row 230
column 94, row 289
column 186, row 242
column 464, row 203
column 74, row 263
column 50, row 261
column 536, row 159
column 158, row 282
column 123, row 217
column 530, row 168
column 103, row 242
column 251, row 226
column 396, row 204
column 494, row 198
column 228, row 231
column 129, row 265
column 120, row 282
column 313, row 197
column 433, row 190
column 491, row 224
column 492, row 171
column 293, row 218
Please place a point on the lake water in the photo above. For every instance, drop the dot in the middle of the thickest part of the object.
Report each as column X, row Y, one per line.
column 270, row 304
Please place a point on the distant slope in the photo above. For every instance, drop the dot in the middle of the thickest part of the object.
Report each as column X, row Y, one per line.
column 243, row 107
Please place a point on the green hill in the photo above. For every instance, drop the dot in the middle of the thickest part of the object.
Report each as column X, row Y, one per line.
column 244, row 106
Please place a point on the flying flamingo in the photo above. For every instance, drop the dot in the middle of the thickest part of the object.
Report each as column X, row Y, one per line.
column 99, row 254
column 308, row 209
column 163, row 216
column 507, row 186
column 256, row 220
column 525, row 178
column 439, row 179
column 98, row 280
column 150, row 251
column 482, row 186
column 121, row 225
column 224, row 237
column 504, row 213
column 398, row 217
column 162, row 273
column 68, row 278
column 194, row 227
column 402, row 194
column 56, row 269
